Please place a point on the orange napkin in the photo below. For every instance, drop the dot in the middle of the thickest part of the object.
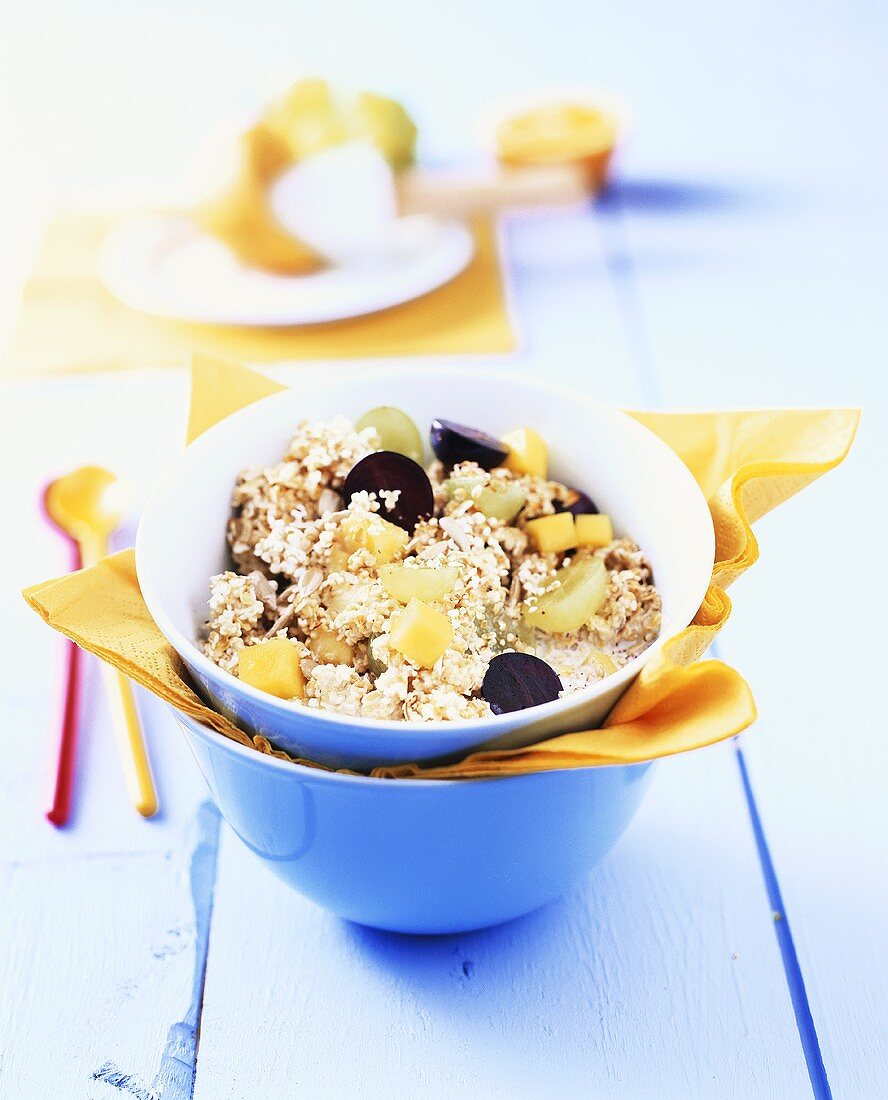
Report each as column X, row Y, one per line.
column 746, row 462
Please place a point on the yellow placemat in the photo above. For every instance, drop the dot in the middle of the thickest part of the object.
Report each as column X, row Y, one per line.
column 69, row 322
column 747, row 463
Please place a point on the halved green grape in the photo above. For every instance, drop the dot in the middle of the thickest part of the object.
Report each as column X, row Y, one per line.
column 505, row 629
column 501, row 500
column 421, row 582
column 456, row 486
column 396, row 431
column 576, row 599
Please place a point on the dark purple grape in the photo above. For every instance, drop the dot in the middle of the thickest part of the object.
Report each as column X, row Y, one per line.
column 454, row 443
column 580, row 505
column 516, row 681
column 389, row 470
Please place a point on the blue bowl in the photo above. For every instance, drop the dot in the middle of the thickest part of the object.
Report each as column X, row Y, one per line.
column 420, row 856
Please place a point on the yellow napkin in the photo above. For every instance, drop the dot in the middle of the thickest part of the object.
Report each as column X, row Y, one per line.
column 746, row 462
column 69, row 322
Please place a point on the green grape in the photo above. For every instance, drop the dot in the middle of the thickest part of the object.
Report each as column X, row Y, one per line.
column 506, row 629
column 573, row 603
column 396, row 431
column 454, row 485
column 501, row 500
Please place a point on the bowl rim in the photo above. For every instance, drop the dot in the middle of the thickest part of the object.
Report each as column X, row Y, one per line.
column 489, row 727
column 328, row 775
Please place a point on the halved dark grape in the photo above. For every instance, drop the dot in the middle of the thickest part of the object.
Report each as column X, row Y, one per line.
column 454, row 443
column 389, row 470
column 516, row 681
column 580, row 504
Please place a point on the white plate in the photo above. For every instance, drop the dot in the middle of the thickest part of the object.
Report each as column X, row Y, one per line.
column 165, row 265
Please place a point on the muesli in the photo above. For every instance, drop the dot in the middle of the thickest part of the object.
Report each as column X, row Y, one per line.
column 363, row 583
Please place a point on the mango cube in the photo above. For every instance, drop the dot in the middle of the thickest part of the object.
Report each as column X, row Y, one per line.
column 552, row 534
column 272, row 666
column 404, row 582
column 528, row 453
column 604, row 661
column 329, row 648
column 421, row 633
column 337, row 559
column 384, row 540
column 595, row 530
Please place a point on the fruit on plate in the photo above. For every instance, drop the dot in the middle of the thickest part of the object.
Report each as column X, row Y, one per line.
column 388, row 472
column 567, row 132
column 395, row 429
column 582, row 586
column 272, row 666
column 528, row 453
column 594, row 530
column 553, row 534
column 501, row 500
column 423, row 582
column 312, row 116
column 421, row 633
column 384, row 540
column 240, row 214
column 453, row 443
column 308, row 119
column 516, row 681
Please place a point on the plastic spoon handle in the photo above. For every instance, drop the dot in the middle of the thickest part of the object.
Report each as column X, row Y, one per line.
column 125, row 718
column 60, row 808
column 130, row 742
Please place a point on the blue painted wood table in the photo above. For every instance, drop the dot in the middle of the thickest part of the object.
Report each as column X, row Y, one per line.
column 733, row 944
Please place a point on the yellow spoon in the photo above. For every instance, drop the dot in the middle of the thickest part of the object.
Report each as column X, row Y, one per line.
column 88, row 504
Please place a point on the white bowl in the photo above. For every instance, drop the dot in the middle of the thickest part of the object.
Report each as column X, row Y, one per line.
column 629, row 472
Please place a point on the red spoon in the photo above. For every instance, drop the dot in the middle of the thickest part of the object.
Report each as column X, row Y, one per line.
column 60, row 807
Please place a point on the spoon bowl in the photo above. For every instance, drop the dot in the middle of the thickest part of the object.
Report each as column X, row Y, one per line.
column 88, row 505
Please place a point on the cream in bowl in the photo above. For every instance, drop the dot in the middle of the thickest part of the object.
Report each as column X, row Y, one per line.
column 375, row 601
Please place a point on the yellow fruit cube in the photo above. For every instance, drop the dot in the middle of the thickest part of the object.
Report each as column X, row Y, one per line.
column 337, row 560
column 404, row 582
column 528, row 453
column 329, row 648
column 604, row 661
column 421, row 633
column 272, row 666
column 552, row 534
column 595, row 531
column 384, row 540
